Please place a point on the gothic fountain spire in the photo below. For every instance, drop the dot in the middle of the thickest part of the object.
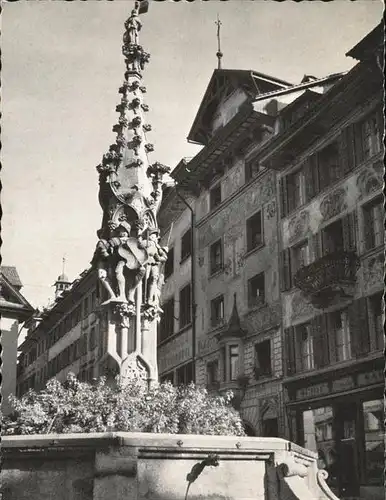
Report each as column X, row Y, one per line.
column 128, row 257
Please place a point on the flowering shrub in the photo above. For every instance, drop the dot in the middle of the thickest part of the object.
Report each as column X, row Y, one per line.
column 81, row 407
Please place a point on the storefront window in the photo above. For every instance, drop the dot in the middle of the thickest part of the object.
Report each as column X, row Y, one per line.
column 374, row 430
column 317, row 426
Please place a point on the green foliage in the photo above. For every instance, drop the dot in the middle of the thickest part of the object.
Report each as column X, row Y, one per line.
column 81, row 407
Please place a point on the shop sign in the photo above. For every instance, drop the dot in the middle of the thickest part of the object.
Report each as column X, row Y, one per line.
column 174, row 353
column 370, row 378
column 342, row 384
column 312, row 391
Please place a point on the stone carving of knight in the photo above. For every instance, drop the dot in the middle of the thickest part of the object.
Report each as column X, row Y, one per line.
column 121, row 258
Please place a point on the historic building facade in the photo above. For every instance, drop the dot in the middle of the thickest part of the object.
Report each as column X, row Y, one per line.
column 233, row 337
column 65, row 337
column 329, row 164
column 15, row 310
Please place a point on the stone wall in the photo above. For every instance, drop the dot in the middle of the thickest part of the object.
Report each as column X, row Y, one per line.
column 149, row 466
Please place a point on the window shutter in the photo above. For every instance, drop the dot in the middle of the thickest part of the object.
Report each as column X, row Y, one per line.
column 289, row 345
column 349, row 226
column 286, row 276
column 316, row 246
column 331, row 338
column 359, row 327
column 346, row 150
column 380, row 125
column 311, row 177
column 283, row 192
column 358, row 143
column 324, row 243
column 320, row 338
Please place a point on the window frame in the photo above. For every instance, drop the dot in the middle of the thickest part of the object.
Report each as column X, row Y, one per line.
column 188, row 318
column 233, row 374
column 165, row 318
column 253, row 301
column 369, row 211
column 169, row 262
column 249, row 233
column 212, row 269
column 185, row 253
column 262, row 372
column 216, row 321
column 213, row 203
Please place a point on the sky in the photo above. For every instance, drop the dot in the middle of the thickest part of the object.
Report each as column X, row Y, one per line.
column 62, row 67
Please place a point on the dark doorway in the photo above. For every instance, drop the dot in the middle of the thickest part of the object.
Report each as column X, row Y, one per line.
column 249, row 430
column 347, row 449
column 270, row 427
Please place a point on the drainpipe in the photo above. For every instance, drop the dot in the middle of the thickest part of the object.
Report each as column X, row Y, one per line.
column 192, row 279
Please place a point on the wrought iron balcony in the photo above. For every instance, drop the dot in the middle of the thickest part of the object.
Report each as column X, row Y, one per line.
column 331, row 274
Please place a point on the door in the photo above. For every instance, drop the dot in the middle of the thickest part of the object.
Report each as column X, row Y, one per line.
column 346, row 417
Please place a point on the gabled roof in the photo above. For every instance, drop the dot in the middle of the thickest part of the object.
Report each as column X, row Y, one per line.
column 12, row 302
column 10, row 272
column 221, row 84
column 372, row 42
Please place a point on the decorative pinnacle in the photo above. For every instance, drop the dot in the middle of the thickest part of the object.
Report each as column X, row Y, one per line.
column 219, row 54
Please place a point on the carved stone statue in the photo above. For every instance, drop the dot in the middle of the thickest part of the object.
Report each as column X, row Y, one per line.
column 133, row 27
column 157, row 255
column 128, row 260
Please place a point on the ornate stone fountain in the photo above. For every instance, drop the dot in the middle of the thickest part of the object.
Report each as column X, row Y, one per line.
column 128, row 257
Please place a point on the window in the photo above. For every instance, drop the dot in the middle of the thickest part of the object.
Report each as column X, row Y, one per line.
column 376, row 319
column 169, row 264
column 185, row 306
column 263, row 366
column 332, row 237
column 306, row 347
column 329, row 165
column 216, row 260
column 373, row 414
column 167, row 320
column 32, row 355
column 185, row 374
column 212, row 374
column 85, row 307
column 371, row 137
column 295, row 190
column 186, row 245
column 93, row 300
column 254, row 231
column 373, row 224
column 215, row 197
column 233, row 362
column 317, row 428
column 92, row 338
column 256, row 290
column 168, row 377
column 252, row 168
column 217, row 310
column 339, row 326
column 300, row 256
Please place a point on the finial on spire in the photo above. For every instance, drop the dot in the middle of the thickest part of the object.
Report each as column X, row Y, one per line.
column 219, row 54
column 63, row 264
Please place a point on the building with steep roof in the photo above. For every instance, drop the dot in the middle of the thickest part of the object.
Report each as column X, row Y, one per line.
column 287, row 231
column 15, row 310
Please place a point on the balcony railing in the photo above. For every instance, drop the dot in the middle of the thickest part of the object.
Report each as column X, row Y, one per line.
column 334, row 269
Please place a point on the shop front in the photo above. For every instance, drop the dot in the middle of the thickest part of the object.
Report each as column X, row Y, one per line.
column 340, row 416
